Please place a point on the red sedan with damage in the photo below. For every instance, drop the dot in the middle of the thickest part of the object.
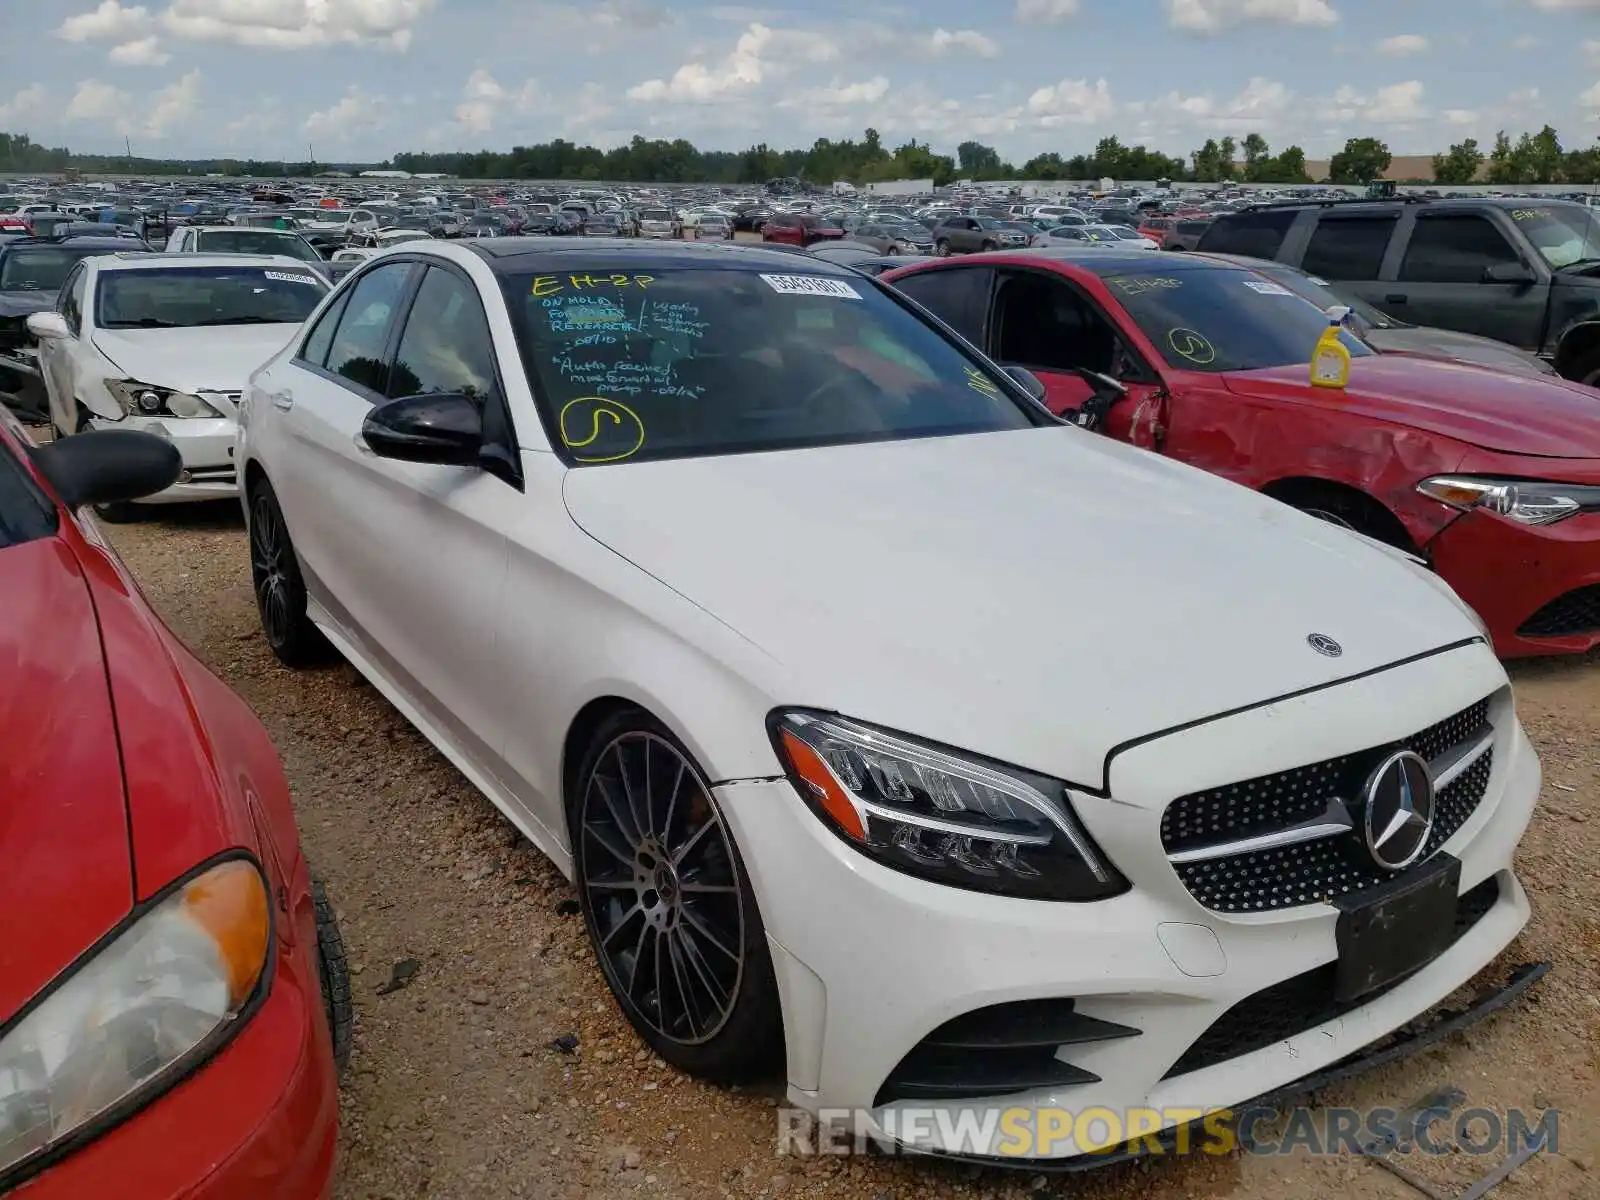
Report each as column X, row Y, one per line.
column 1492, row 478
column 168, row 969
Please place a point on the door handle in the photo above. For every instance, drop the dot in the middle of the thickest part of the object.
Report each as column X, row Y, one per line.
column 1394, row 298
column 283, row 401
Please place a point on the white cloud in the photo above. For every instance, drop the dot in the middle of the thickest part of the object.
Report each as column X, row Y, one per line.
column 1403, row 44
column 484, row 99
column 290, row 24
column 24, row 104
column 1590, row 97
column 1045, row 12
column 1072, row 102
column 96, row 101
column 941, row 40
column 1522, row 96
column 840, row 95
column 1259, row 106
column 142, row 52
column 109, row 22
column 1528, row 42
column 1210, row 16
column 1460, row 116
column 173, row 105
column 1396, row 104
column 355, row 112
column 760, row 52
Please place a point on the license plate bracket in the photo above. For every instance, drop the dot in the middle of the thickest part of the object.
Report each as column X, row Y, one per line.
column 1396, row 928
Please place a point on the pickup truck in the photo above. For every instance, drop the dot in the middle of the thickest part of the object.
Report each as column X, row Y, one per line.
column 1520, row 270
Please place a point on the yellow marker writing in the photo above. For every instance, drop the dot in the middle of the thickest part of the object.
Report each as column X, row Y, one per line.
column 546, row 285
column 605, row 416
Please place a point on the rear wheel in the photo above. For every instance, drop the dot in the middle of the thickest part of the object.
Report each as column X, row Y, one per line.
column 668, row 905
column 942, row 248
column 279, row 587
column 990, row 246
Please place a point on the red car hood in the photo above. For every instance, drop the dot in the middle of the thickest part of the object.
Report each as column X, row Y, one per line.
column 1490, row 409
column 65, row 874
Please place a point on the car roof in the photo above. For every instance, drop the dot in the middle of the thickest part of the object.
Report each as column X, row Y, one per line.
column 241, row 228
column 131, row 259
column 76, row 240
column 1100, row 260
column 516, row 255
column 1429, row 203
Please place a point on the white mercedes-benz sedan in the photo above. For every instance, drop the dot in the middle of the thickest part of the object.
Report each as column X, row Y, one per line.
column 896, row 735
column 164, row 343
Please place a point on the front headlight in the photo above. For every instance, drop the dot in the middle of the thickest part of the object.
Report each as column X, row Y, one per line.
column 135, row 1014
column 143, row 400
column 1528, row 501
column 941, row 814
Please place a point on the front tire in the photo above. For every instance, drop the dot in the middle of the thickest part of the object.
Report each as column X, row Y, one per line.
column 669, row 907
column 333, row 974
column 942, row 248
column 279, row 587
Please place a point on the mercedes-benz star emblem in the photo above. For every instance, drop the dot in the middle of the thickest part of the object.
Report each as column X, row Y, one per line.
column 1323, row 644
column 1399, row 808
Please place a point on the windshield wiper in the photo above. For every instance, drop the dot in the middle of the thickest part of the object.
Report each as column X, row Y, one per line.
column 243, row 321
column 142, row 323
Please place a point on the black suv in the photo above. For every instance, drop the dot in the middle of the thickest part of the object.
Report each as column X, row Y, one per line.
column 1524, row 271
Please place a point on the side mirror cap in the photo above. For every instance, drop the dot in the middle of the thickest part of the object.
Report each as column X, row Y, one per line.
column 1029, row 381
column 49, row 325
column 108, row 466
column 443, row 429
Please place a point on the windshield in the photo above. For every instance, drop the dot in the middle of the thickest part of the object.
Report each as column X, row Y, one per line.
column 696, row 362
column 41, row 268
column 1224, row 320
column 257, row 241
column 170, row 297
column 655, row 214
column 1324, row 294
column 1562, row 233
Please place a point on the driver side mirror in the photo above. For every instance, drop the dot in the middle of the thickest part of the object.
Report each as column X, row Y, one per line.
column 1028, row 381
column 108, row 466
column 443, row 429
column 49, row 326
column 1509, row 273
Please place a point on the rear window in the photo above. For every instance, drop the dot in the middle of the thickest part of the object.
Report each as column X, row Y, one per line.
column 257, row 241
column 41, row 268
column 1348, row 248
column 172, row 297
column 1254, row 234
column 674, row 363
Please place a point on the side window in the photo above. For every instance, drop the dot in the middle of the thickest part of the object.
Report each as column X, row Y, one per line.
column 446, row 346
column 1454, row 248
column 71, row 301
column 1041, row 322
column 1256, row 234
column 357, row 350
column 958, row 296
column 1345, row 247
column 315, row 348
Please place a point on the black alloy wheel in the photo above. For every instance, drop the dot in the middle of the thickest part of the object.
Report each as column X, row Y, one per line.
column 669, row 908
column 279, row 587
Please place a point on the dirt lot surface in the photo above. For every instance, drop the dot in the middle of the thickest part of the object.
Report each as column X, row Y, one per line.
column 453, row 1092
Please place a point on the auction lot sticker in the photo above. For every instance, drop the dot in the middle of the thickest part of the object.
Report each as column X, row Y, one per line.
column 811, row 285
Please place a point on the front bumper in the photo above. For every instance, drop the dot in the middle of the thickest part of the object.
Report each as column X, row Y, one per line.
column 1536, row 587
column 258, row 1122
column 207, row 447
column 1153, row 959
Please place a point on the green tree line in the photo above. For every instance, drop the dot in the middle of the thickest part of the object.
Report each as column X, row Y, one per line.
column 1531, row 158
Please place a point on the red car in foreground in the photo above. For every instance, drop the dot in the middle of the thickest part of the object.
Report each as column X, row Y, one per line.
column 168, row 969
column 1492, row 478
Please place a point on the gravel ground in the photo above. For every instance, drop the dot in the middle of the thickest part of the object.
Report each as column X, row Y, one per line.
column 454, row 1092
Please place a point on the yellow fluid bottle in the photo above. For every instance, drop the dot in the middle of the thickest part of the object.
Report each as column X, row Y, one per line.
column 1330, row 361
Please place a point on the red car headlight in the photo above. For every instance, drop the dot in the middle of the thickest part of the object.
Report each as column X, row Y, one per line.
column 135, row 1014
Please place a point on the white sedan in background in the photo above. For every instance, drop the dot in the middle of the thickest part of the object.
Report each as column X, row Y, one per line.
column 707, row 565
column 165, row 343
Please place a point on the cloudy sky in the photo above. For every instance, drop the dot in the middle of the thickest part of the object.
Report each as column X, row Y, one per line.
column 362, row 79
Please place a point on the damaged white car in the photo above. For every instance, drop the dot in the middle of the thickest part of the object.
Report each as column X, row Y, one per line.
column 165, row 344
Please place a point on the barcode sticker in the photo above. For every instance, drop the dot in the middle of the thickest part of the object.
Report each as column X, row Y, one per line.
column 811, row 285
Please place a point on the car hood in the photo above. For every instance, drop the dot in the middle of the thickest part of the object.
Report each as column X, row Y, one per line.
column 65, row 874
column 1515, row 414
column 1040, row 596
column 1459, row 347
column 202, row 359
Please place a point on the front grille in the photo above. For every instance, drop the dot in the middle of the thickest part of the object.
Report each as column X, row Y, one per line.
column 1577, row 611
column 1307, row 1000
column 1310, row 871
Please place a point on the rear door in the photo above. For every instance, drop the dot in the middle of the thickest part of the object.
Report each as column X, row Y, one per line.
column 1353, row 249
column 1440, row 280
